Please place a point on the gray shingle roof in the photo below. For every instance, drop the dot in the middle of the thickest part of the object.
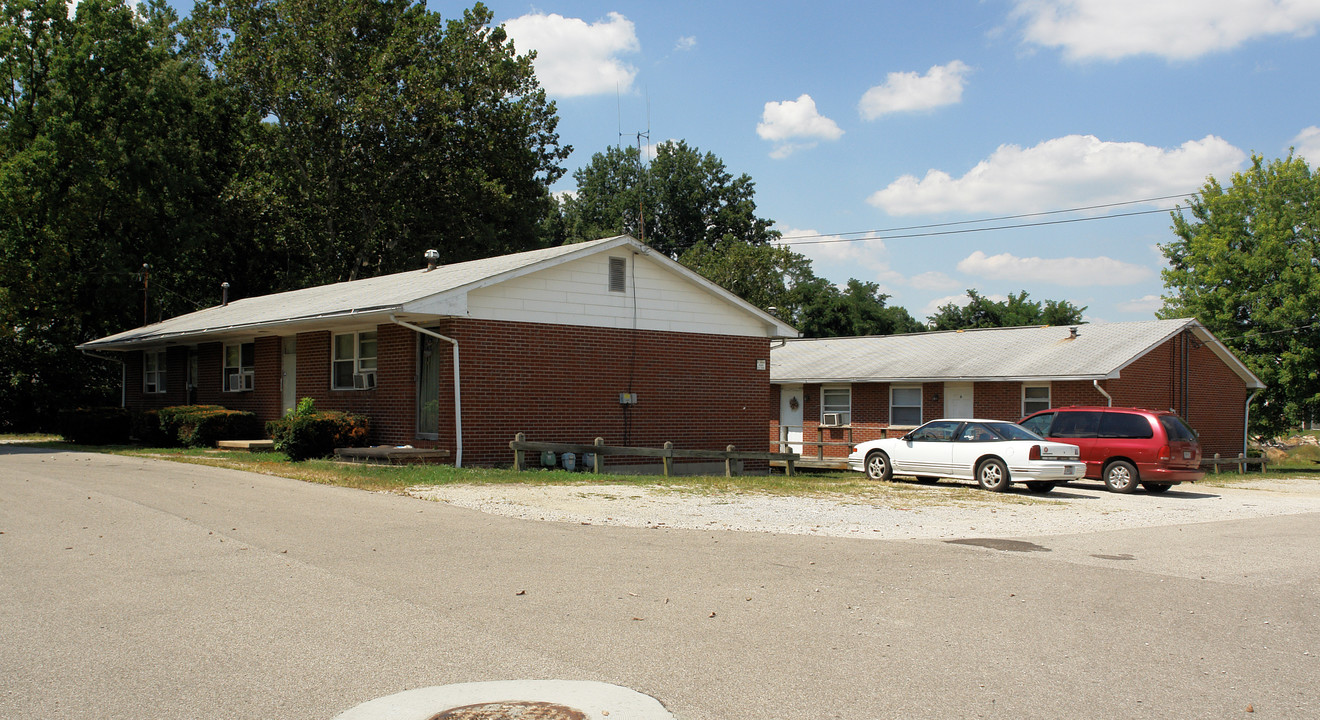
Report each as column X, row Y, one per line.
column 371, row 296
column 374, row 299
column 1022, row 353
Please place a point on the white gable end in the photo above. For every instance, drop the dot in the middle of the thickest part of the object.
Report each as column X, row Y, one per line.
column 578, row 293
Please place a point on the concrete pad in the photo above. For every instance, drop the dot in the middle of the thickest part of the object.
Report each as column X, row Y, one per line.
column 594, row 700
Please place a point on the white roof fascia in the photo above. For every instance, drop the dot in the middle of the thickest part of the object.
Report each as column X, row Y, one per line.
column 913, row 380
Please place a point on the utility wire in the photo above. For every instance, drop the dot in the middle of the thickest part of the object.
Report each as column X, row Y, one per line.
column 811, row 239
column 1253, row 336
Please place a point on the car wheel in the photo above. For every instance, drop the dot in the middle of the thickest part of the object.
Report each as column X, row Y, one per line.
column 1040, row 487
column 1157, row 488
column 1121, row 477
column 927, row 480
column 878, row 468
column 993, row 475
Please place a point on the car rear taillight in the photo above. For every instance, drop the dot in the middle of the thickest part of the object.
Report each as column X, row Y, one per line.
column 1166, row 453
column 1035, row 453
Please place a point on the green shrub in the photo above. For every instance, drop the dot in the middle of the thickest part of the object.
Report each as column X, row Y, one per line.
column 95, row 426
column 310, row 433
column 203, row 425
column 146, row 429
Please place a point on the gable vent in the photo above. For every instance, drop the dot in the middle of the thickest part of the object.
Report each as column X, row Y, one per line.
column 618, row 274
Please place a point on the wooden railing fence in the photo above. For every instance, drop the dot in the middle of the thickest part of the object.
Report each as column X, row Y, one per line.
column 521, row 445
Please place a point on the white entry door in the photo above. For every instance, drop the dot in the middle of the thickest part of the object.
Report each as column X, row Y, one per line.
column 958, row 400
column 289, row 375
column 790, row 418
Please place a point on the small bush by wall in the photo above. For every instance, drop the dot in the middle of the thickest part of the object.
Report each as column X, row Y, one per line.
column 310, row 433
column 95, row 426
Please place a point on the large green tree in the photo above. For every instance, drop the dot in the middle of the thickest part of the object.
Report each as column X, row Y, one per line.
column 1016, row 311
column 114, row 149
column 680, row 200
column 387, row 131
column 1246, row 263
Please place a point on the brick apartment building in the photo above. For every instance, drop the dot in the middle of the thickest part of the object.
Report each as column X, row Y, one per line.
column 861, row 388
column 600, row 339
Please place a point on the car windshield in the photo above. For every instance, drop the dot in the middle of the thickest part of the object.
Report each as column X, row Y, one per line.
column 1012, row 431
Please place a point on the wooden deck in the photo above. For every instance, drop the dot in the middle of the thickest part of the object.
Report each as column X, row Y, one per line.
column 391, row 455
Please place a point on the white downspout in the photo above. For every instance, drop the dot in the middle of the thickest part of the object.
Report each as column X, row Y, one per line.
column 458, row 398
column 1246, row 423
column 1096, row 384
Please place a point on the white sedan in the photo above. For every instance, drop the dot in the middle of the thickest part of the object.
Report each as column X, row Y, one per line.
column 994, row 453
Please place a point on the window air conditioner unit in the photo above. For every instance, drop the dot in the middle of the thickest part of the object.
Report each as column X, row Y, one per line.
column 233, row 382
column 364, row 381
column 831, row 419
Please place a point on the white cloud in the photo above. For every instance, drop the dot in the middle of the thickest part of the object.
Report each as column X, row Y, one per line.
column 687, row 42
column 1060, row 271
column 1173, row 29
column 1307, row 145
column 908, row 91
column 795, row 125
column 1143, row 304
column 1063, row 172
column 574, row 58
column 933, row 280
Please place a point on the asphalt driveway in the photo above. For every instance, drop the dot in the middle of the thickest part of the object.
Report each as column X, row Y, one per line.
column 137, row 588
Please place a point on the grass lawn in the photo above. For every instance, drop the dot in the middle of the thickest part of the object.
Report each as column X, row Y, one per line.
column 384, row 478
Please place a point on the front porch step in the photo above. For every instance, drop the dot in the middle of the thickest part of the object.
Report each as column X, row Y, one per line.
column 249, row 445
column 389, row 454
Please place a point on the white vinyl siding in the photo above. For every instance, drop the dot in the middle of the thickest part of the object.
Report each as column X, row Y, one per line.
column 905, row 405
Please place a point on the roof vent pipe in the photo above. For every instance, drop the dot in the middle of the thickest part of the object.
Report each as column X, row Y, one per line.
column 432, row 259
column 224, row 294
column 1074, row 334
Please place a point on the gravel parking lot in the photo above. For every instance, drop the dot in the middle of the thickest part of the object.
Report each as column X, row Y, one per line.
column 927, row 514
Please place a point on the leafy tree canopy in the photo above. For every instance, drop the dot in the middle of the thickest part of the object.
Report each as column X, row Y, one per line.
column 1016, row 311
column 388, row 131
column 113, row 153
column 1246, row 263
column 682, row 199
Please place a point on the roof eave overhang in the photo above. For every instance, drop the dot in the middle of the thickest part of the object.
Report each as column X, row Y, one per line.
column 318, row 321
column 999, row 378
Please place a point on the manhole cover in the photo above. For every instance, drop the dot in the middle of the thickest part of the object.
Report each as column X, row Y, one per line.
column 512, row 711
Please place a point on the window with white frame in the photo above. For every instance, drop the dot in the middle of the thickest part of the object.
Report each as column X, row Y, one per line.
column 905, row 405
column 240, row 366
column 1035, row 398
column 836, row 405
column 353, row 366
column 153, row 371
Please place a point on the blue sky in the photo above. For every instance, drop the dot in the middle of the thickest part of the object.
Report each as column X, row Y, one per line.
column 855, row 117
column 859, row 117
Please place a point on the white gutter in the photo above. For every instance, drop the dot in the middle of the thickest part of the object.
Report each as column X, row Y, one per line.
column 123, row 374
column 1096, row 384
column 458, row 398
column 1246, row 423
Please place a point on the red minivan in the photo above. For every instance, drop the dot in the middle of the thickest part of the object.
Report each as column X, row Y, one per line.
column 1125, row 447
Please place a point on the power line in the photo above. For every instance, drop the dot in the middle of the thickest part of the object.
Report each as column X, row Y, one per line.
column 820, row 238
column 1253, row 336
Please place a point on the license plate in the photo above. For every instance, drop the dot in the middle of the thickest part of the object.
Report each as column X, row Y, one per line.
column 1068, row 470
column 1187, row 454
